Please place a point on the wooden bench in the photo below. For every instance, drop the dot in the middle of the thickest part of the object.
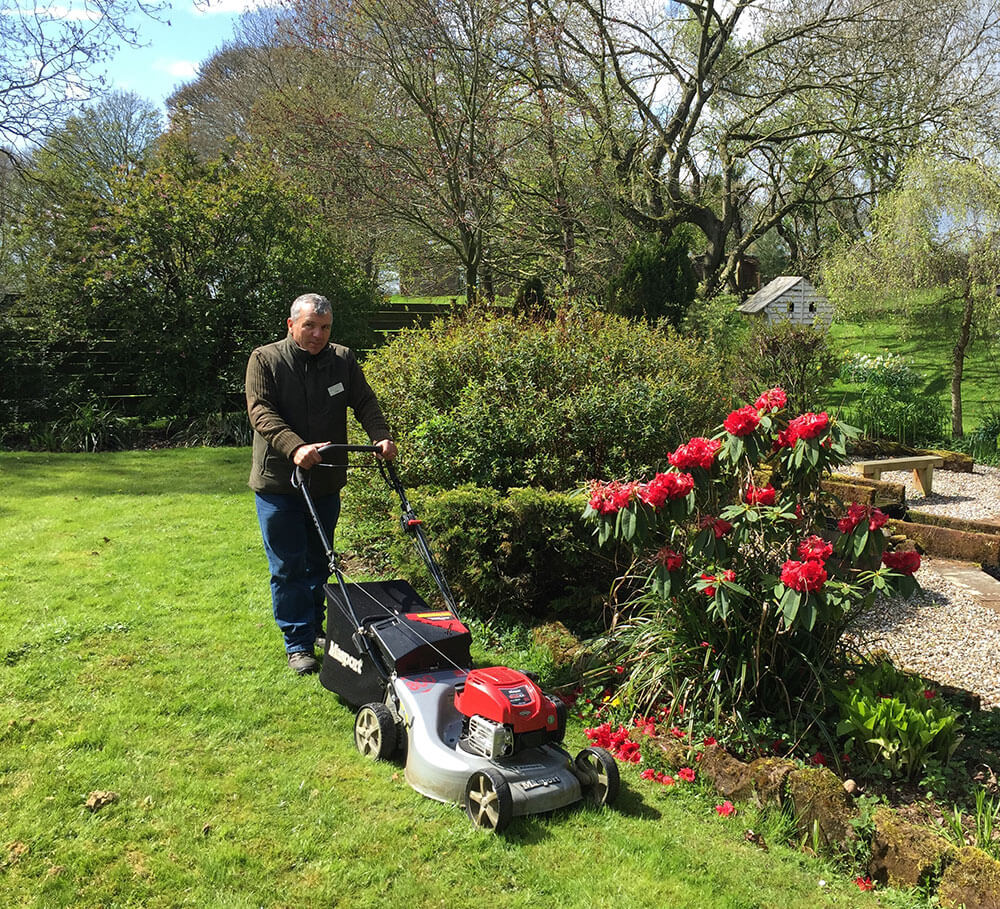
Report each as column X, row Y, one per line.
column 922, row 465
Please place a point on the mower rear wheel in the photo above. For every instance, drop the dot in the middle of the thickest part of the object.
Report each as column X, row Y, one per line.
column 599, row 777
column 488, row 801
column 375, row 732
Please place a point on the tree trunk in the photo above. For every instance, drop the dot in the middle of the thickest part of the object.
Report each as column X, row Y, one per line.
column 958, row 365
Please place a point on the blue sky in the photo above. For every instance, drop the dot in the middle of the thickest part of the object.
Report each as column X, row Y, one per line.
column 171, row 53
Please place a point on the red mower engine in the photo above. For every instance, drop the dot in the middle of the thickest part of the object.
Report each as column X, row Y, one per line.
column 505, row 712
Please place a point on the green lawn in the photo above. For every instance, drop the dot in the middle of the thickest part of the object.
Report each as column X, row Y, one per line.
column 929, row 353
column 139, row 656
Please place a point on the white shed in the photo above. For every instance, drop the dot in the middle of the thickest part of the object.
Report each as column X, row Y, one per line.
column 789, row 298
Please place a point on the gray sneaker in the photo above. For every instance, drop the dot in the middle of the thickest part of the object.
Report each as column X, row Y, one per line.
column 302, row 662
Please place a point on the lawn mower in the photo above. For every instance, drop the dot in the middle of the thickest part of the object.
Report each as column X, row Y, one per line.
column 486, row 738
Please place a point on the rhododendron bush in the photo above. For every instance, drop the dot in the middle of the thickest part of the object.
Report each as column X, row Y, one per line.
column 747, row 580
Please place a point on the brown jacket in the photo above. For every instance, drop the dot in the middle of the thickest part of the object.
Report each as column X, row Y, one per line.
column 294, row 398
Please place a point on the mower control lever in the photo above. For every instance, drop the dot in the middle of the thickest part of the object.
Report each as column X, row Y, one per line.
column 336, row 446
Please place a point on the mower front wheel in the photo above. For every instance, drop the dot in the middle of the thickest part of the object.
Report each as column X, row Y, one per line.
column 375, row 732
column 599, row 777
column 488, row 801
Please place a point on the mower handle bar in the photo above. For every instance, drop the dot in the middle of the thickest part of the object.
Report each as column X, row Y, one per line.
column 338, row 446
column 408, row 520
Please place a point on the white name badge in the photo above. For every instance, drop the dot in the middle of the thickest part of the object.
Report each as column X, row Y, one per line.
column 335, row 389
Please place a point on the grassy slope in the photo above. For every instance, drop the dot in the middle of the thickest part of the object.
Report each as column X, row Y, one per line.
column 931, row 354
column 139, row 656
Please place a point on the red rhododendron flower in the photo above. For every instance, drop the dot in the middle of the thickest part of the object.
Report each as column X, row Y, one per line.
column 719, row 527
column 658, row 775
column 709, row 591
column 708, row 740
column 742, row 422
column 669, row 558
column 646, row 724
column 808, row 426
column 857, row 513
column 676, row 733
column 930, row 693
column 803, row 576
column 665, row 487
column 765, row 495
column 699, row 452
column 772, row 399
column 686, row 774
column 616, row 741
column 819, row 759
column 726, row 809
column 815, row 549
column 854, row 516
column 629, row 752
column 864, row 883
column 785, row 439
column 905, row 562
column 610, row 498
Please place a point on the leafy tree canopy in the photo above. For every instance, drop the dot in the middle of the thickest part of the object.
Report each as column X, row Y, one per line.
column 181, row 269
column 935, row 243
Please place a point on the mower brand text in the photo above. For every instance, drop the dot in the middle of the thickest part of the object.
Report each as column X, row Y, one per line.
column 344, row 658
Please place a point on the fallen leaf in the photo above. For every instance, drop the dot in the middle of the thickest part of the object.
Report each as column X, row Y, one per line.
column 757, row 839
column 15, row 852
column 100, row 798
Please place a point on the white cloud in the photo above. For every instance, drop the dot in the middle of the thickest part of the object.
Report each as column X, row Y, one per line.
column 230, row 7
column 179, row 69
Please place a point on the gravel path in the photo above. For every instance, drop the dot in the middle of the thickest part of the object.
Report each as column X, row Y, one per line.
column 942, row 632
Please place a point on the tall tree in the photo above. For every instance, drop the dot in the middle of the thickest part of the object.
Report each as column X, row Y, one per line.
column 114, row 134
column 934, row 253
column 406, row 103
column 739, row 117
column 52, row 57
column 181, row 268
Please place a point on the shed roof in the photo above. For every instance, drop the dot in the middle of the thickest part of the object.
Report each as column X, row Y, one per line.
column 772, row 291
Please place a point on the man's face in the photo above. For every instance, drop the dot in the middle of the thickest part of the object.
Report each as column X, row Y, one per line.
column 310, row 330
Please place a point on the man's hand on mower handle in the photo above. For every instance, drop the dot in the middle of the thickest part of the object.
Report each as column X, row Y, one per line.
column 306, row 456
column 387, row 449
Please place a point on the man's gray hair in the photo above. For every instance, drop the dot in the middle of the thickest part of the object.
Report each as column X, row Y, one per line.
column 319, row 304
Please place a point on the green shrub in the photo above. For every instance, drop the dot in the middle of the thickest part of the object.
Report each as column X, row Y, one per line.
column 526, row 551
column 892, row 403
column 656, row 280
column 217, row 429
column 897, row 721
column 744, row 600
column 718, row 323
column 983, row 443
column 499, row 401
column 797, row 358
column 92, row 427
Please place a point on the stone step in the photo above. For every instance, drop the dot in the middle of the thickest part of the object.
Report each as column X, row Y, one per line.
column 971, row 579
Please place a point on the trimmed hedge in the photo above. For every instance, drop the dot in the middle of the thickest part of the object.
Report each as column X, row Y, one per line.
column 526, row 551
column 501, row 401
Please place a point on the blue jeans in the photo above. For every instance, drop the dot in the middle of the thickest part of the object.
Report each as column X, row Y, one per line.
column 299, row 566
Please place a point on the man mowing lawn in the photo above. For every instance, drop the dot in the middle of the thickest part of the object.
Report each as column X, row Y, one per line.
column 298, row 391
